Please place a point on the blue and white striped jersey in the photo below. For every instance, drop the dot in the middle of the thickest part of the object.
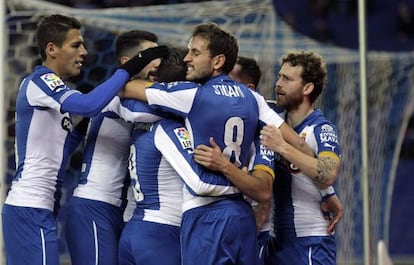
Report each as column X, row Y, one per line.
column 221, row 108
column 42, row 152
column 106, row 152
column 161, row 164
column 156, row 185
column 105, row 160
column 297, row 211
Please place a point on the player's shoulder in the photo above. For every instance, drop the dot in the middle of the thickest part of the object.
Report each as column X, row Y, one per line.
column 175, row 86
column 47, row 79
column 321, row 121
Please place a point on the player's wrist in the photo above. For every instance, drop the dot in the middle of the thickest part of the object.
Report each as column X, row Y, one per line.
column 327, row 192
column 228, row 169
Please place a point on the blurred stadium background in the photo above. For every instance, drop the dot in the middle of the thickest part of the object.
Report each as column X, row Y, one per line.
column 266, row 29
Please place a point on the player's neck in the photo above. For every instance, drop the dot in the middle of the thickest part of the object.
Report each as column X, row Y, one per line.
column 54, row 67
column 296, row 116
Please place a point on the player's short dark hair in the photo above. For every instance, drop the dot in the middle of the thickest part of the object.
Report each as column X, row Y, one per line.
column 219, row 42
column 250, row 69
column 53, row 28
column 127, row 42
column 313, row 69
column 172, row 67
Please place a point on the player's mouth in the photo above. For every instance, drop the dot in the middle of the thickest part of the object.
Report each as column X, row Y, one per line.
column 189, row 68
column 279, row 92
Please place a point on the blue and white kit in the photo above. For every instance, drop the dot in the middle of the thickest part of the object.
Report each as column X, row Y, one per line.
column 29, row 224
column 298, row 228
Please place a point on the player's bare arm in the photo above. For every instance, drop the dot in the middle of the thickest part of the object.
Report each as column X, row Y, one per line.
column 261, row 214
column 257, row 185
column 327, row 169
column 293, row 138
column 322, row 169
column 135, row 89
column 333, row 211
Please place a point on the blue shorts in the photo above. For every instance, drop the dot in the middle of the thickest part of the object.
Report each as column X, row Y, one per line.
column 315, row 250
column 92, row 231
column 223, row 232
column 30, row 236
column 149, row 243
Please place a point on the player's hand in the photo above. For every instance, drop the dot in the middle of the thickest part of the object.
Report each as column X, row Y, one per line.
column 332, row 210
column 210, row 156
column 271, row 137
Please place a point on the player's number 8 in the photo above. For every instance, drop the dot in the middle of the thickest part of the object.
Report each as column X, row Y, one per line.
column 233, row 138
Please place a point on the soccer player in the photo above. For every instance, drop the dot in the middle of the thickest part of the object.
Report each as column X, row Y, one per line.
column 152, row 236
column 95, row 212
column 300, row 232
column 44, row 137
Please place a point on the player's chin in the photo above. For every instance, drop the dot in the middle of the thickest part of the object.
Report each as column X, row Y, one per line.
column 75, row 72
column 190, row 75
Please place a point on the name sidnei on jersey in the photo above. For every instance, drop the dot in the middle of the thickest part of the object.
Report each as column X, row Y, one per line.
column 228, row 90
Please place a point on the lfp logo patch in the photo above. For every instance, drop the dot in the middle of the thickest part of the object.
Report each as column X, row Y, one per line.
column 183, row 137
column 52, row 80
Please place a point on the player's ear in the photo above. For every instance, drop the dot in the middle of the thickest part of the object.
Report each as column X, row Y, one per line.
column 219, row 61
column 51, row 49
column 251, row 86
column 308, row 88
column 124, row 59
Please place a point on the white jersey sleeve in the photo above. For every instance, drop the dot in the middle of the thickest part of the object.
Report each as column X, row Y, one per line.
column 132, row 110
column 266, row 114
column 175, row 97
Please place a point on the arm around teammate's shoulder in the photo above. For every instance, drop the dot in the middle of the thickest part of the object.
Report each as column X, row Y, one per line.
column 92, row 103
column 257, row 185
column 322, row 169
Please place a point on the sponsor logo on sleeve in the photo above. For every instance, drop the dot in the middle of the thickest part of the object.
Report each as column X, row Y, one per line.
column 329, row 146
column 328, row 134
column 184, row 138
column 267, row 154
column 52, row 81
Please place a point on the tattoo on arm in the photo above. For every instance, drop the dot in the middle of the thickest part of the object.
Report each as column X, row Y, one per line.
column 327, row 167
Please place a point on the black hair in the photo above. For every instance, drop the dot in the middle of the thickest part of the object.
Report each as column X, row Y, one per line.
column 250, row 69
column 127, row 42
column 172, row 67
column 53, row 29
